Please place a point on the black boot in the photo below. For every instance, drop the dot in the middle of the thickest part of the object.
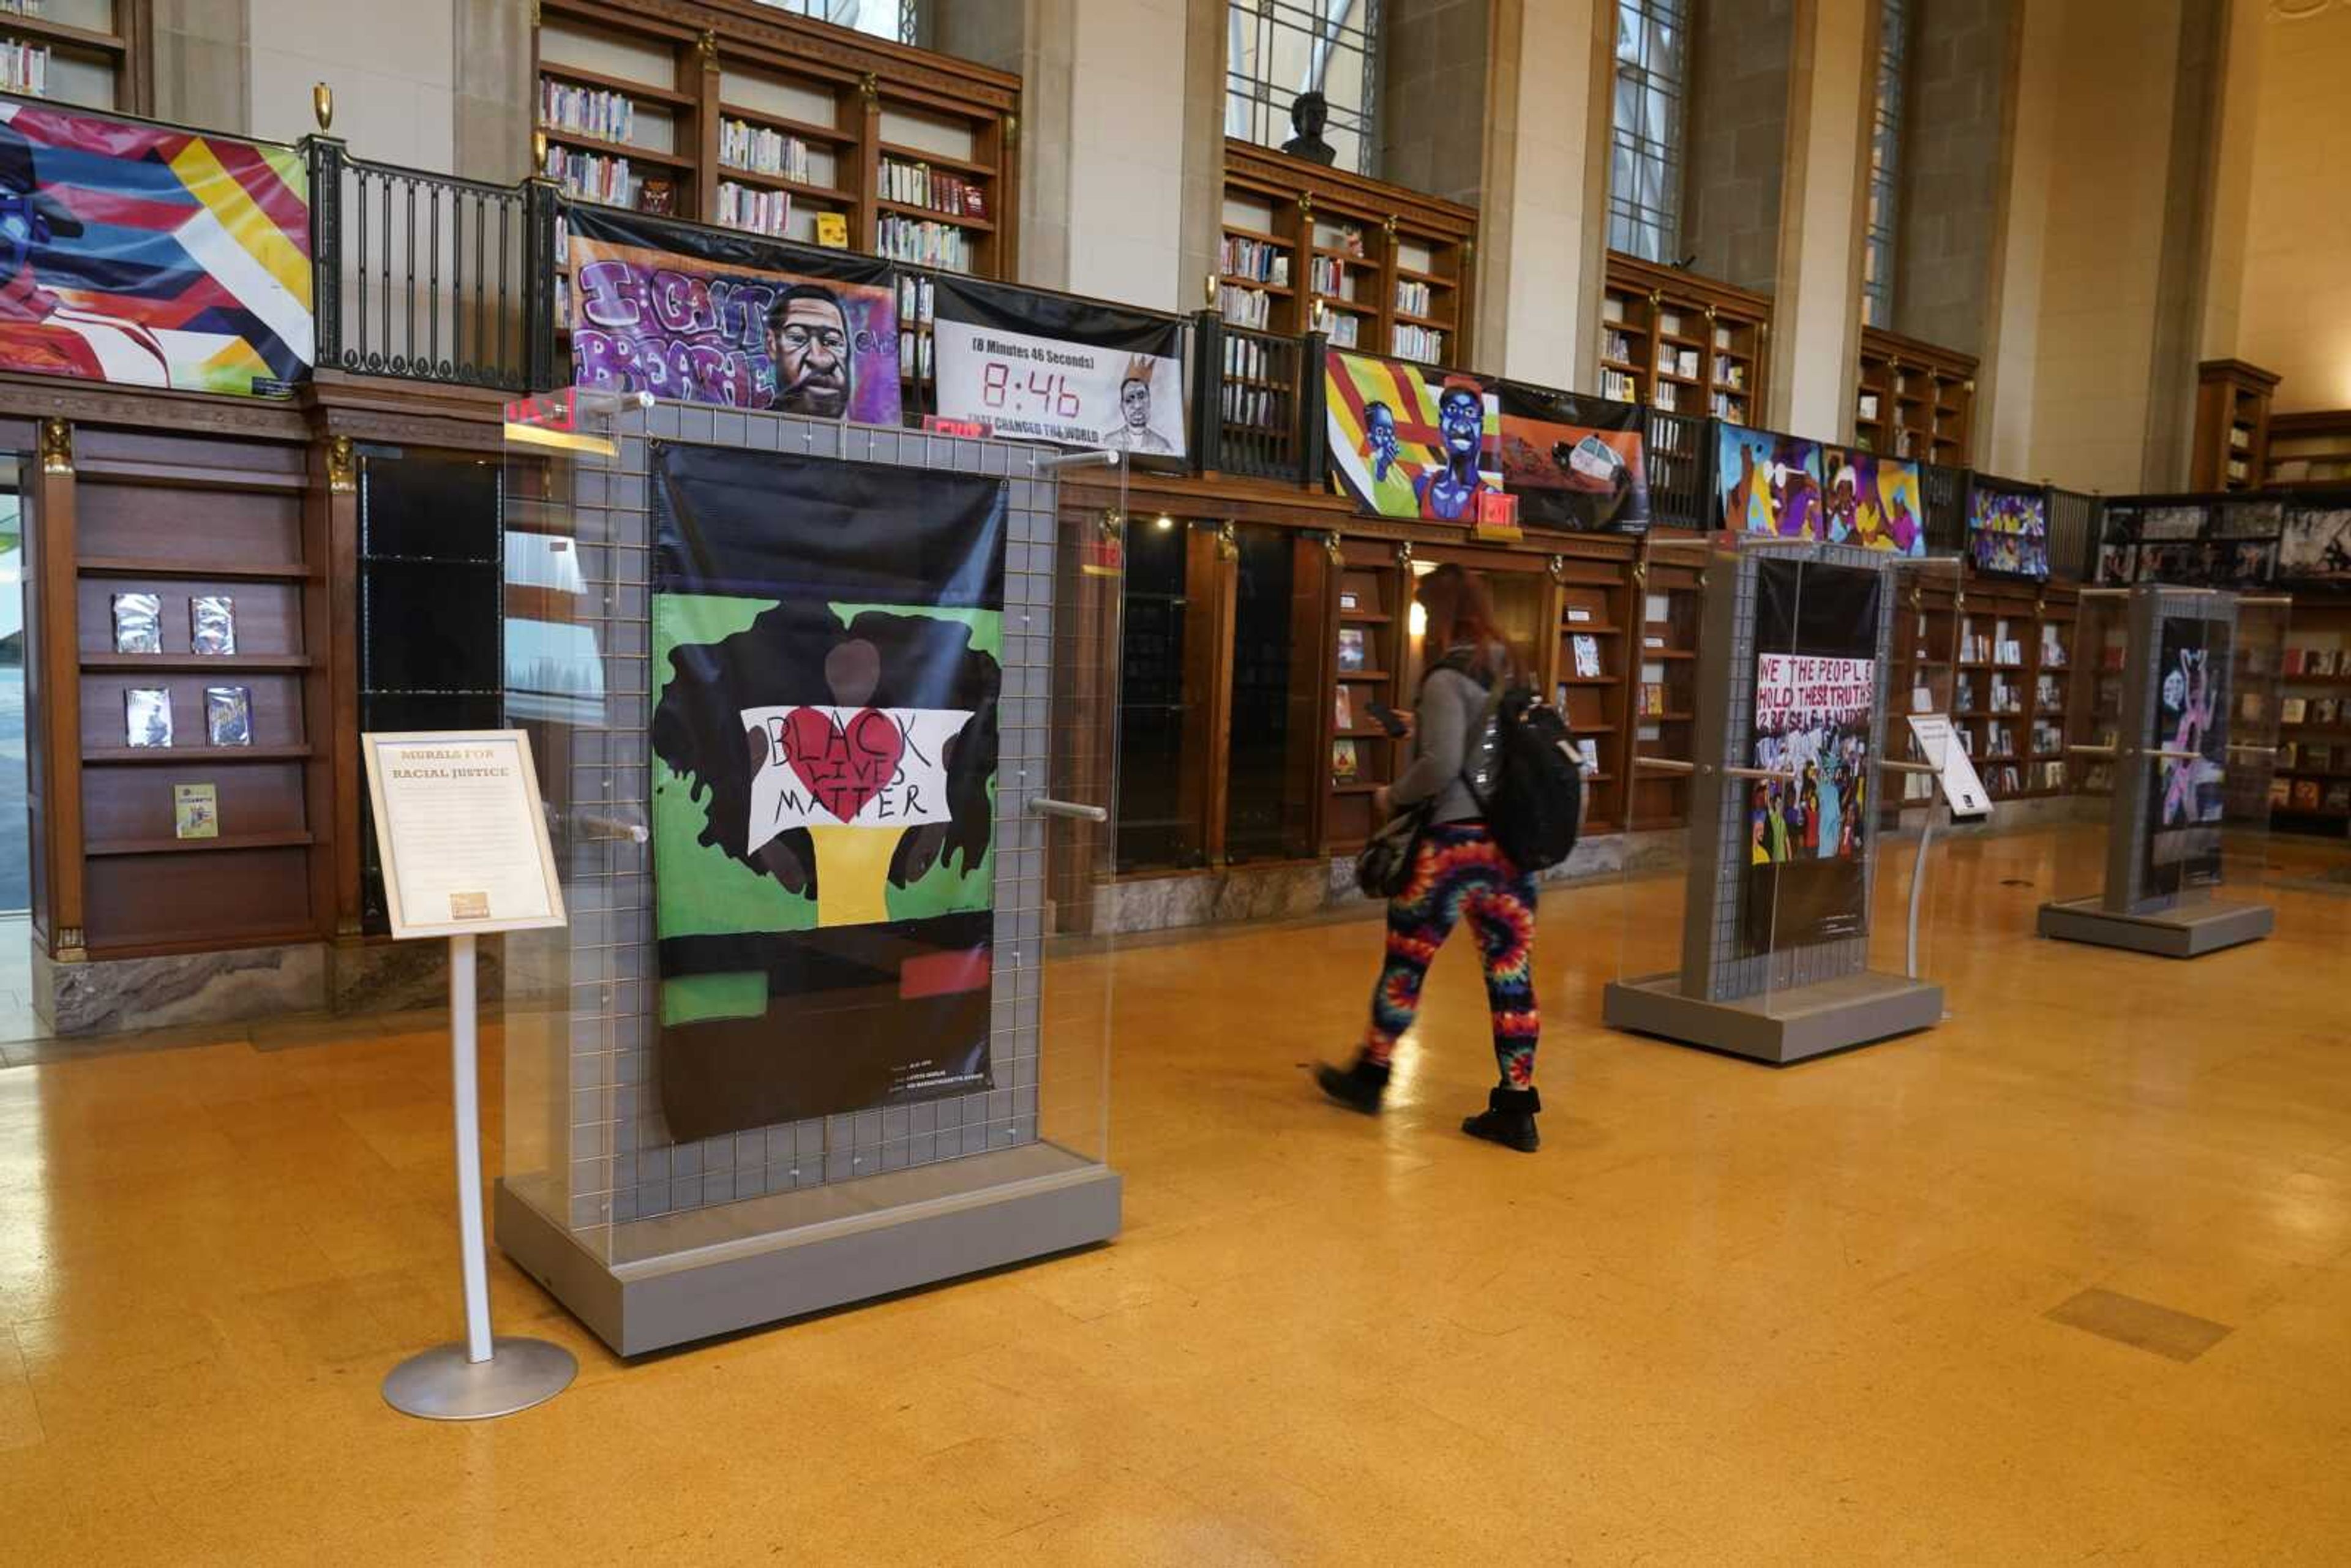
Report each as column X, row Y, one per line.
column 1509, row 1119
column 1358, row 1087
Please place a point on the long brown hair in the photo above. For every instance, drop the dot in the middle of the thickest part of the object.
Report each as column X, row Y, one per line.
column 1460, row 613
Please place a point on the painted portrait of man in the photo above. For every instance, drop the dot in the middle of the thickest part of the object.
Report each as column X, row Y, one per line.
column 808, row 338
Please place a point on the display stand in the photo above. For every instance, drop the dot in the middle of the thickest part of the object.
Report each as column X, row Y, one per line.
column 465, row 848
column 1776, row 936
column 2189, row 796
column 755, row 1080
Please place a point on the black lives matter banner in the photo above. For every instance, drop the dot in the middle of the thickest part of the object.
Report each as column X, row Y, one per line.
column 826, row 648
column 1045, row 368
column 1816, row 707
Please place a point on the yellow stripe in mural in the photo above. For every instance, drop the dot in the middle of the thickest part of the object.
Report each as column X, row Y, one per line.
column 238, row 213
column 852, row 868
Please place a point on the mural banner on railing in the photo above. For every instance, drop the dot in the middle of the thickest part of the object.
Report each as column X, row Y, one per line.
column 1770, row 484
column 687, row 312
column 2008, row 527
column 151, row 256
column 1574, row 463
column 1044, row 367
column 1875, row 502
column 1408, row 443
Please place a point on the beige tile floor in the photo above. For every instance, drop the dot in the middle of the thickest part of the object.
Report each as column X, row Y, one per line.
column 1727, row 1315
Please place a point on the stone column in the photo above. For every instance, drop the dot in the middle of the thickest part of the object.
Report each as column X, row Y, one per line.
column 495, row 97
column 1433, row 116
column 1736, row 142
column 1816, row 311
column 202, row 75
column 1543, row 223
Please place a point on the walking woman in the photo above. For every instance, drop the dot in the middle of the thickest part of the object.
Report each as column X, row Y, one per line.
column 1458, row 874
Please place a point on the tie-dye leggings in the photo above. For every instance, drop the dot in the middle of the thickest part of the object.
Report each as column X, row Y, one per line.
column 1457, row 870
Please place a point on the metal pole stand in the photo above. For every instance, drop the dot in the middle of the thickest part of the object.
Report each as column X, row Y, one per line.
column 481, row 1377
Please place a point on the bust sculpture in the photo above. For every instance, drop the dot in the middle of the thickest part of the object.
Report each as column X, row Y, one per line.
column 1309, row 113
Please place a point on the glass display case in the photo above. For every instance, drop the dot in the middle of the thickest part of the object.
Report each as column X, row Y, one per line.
column 814, row 704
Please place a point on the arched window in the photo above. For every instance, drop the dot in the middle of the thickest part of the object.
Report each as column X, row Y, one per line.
column 1281, row 48
column 1644, row 149
column 1885, row 164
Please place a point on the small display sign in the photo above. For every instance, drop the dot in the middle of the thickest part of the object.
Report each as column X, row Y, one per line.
column 1961, row 788
column 462, row 834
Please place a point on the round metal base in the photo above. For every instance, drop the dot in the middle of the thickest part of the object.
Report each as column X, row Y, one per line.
column 441, row 1384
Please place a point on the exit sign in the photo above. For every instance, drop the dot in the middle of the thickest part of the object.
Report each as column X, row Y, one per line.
column 969, row 429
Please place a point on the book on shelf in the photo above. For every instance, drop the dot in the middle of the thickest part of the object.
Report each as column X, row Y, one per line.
column 1342, row 711
column 2338, row 797
column 2294, row 659
column 2306, row 795
column 1344, row 764
column 1424, row 344
column 1354, row 652
column 1241, row 305
column 2293, row 710
column 756, row 150
column 1667, row 396
column 591, row 176
column 1412, row 297
column 228, row 715
column 211, row 623
column 1241, row 257
column 24, row 68
column 754, row 211
column 2321, row 662
column 138, row 623
column 196, row 812
column 2318, row 759
column 2281, row 792
column 2053, row 646
column 1618, row 387
column 1344, row 331
column 1328, row 275
column 147, row 717
column 832, row 230
column 922, row 242
column 1586, row 649
column 598, row 113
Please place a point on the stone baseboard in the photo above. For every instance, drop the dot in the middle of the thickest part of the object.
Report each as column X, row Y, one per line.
column 115, row 996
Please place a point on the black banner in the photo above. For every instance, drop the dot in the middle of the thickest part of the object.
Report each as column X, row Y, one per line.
column 827, row 639
column 1816, row 631
column 1574, row 463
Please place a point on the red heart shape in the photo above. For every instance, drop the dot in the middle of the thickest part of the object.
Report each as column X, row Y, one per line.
column 843, row 765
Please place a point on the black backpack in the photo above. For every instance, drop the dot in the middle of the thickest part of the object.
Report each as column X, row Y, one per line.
column 1525, row 774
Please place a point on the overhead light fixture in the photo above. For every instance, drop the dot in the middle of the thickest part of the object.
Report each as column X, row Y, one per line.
column 1164, row 522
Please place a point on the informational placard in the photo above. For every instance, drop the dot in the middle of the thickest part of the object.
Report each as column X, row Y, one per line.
column 1062, row 371
column 1957, row 770
column 461, row 832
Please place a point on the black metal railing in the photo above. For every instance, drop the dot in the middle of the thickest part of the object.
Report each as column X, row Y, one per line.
column 429, row 277
column 1679, row 449
column 2075, row 520
column 1944, row 494
column 1249, row 399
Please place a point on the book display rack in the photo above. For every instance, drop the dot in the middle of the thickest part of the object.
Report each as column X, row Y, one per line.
column 1682, row 343
column 2232, row 426
column 1913, row 400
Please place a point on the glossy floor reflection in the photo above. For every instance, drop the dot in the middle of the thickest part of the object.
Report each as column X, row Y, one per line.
column 2069, row 1278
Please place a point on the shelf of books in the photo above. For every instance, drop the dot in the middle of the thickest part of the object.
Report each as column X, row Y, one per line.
column 779, row 125
column 2010, row 691
column 1590, row 685
column 1377, row 267
column 1922, row 674
column 1371, row 621
column 1661, row 669
column 90, row 53
column 1913, row 400
column 2101, row 653
column 1682, row 343
column 2310, row 793
column 2232, row 426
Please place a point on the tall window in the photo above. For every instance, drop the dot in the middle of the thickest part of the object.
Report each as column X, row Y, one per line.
column 899, row 21
column 1284, row 48
column 1645, row 152
column 1884, row 163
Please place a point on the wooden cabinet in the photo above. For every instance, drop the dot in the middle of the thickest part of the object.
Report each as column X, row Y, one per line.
column 1913, row 400
column 2232, row 427
column 746, row 117
column 1372, row 266
column 1667, row 597
column 91, row 53
column 2012, row 693
column 1683, row 343
column 1369, row 627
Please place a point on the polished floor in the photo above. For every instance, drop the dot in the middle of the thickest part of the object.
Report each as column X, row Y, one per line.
column 2068, row 1279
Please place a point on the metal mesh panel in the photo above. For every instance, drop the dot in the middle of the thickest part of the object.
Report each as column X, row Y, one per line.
column 1679, row 449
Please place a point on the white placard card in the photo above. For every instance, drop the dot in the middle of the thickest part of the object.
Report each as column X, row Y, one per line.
column 462, row 835
column 1961, row 788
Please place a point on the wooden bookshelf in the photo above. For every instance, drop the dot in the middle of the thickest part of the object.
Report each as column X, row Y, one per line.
column 735, row 104
column 95, row 54
column 2232, row 426
column 1662, row 607
column 1380, row 269
column 1371, row 603
column 1913, row 400
column 2314, row 757
column 2309, row 448
column 1591, row 680
column 2013, row 690
column 1922, row 678
column 1682, row 343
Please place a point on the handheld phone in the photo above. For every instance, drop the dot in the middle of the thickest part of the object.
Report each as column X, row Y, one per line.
column 1386, row 717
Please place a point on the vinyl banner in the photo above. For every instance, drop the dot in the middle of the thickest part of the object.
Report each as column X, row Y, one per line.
column 1574, row 462
column 827, row 639
column 1770, row 484
column 1817, row 630
column 2008, row 529
column 685, row 312
column 1405, row 446
column 1067, row 371
column 1875, row 503
column 2192, row 715
column 150, row 256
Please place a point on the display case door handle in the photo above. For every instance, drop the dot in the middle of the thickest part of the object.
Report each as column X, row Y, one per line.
column 1083, row 813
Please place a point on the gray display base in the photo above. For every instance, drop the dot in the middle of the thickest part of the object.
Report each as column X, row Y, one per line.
column 740, row 1265
column 1779, row 1027
column 2185, row 933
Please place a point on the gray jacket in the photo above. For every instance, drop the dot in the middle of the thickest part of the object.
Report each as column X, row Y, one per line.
column 1452, row 706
